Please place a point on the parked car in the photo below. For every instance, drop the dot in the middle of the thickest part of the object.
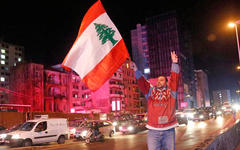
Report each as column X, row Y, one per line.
column 105, row 127
column 39, row 131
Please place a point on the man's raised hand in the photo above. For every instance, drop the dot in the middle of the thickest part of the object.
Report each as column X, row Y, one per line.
column 134, row 66
column 174, row 57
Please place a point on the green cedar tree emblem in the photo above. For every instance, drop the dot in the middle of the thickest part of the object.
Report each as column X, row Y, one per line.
column 105, row 33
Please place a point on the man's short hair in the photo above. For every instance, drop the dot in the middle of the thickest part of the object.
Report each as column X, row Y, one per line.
column 166, row 79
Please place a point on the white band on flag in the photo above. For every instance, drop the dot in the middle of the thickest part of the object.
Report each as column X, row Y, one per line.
column 88, row 49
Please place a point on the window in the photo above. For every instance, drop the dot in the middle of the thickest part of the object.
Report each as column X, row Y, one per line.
column 2, row 62
column 19, row 59
column 118, row 105
column 106, row 124
column 75, row 95
column 127, row 65
column 3, row 57
column 42, row 126
column 2, row 79
column 113, row 106
column 3, row 51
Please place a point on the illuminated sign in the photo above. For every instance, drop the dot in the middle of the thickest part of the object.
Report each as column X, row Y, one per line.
column 147, row 70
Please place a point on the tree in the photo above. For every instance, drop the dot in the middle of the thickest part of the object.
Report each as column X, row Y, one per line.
column 105, row 33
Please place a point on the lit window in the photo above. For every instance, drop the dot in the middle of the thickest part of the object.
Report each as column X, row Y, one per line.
column 2, row 62
column 19, row 59
column 118, row 105
column 3, row 51
column 72, row 110
column 2, row 79
column 113, row 106
column 3, row 56
column 127, row 65
column 14, row 64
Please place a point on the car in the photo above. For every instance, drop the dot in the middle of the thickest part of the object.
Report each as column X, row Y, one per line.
column 142, row 116
column 37, row 131
column 105, row 127
column 3, row 133
column 200, row 115
column 131, row 127
column 189, row 113
column 181, row 118
column 227, row 108
column 73, row 125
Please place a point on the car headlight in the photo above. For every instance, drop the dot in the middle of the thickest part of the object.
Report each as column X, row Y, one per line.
column 84, row 133
column 130, row 128
column 201, row 116
column 15, row 136
column 3, row 136
column 114, row 123
column 73, row 131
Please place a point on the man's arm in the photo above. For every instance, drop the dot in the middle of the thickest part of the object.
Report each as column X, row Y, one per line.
column 143, row 84
column 174, row 77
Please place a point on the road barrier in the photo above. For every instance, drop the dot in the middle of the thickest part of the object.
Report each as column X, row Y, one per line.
column 228, row 140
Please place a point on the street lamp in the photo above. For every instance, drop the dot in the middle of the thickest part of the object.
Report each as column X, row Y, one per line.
column 234, row 24
column 238, row 67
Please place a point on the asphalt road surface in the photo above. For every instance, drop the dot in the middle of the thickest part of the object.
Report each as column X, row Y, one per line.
column 192, row 136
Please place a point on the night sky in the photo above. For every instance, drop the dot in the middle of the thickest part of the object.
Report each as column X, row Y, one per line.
column 47, row 30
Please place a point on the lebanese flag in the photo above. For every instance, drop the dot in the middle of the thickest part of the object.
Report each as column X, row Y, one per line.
column 99, row 49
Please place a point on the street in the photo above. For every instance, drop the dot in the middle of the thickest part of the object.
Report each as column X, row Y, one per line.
column 194, row 135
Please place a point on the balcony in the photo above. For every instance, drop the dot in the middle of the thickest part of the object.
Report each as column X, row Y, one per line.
column 117, row 77
column 116, row 85
column 53, row 82
column 59, row 96
column 116, row 95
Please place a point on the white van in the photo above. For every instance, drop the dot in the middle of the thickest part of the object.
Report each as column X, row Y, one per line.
column 39, row 131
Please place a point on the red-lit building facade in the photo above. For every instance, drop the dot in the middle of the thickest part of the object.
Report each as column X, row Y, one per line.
column 56, row 90
column 119, row 94
column 26, row 84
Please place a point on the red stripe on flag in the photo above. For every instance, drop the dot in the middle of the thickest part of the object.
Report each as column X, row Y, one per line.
column 93, row 12
column 108, row 65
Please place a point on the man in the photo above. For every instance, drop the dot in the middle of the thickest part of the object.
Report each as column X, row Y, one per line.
column 161, row 107
column 95, row 129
